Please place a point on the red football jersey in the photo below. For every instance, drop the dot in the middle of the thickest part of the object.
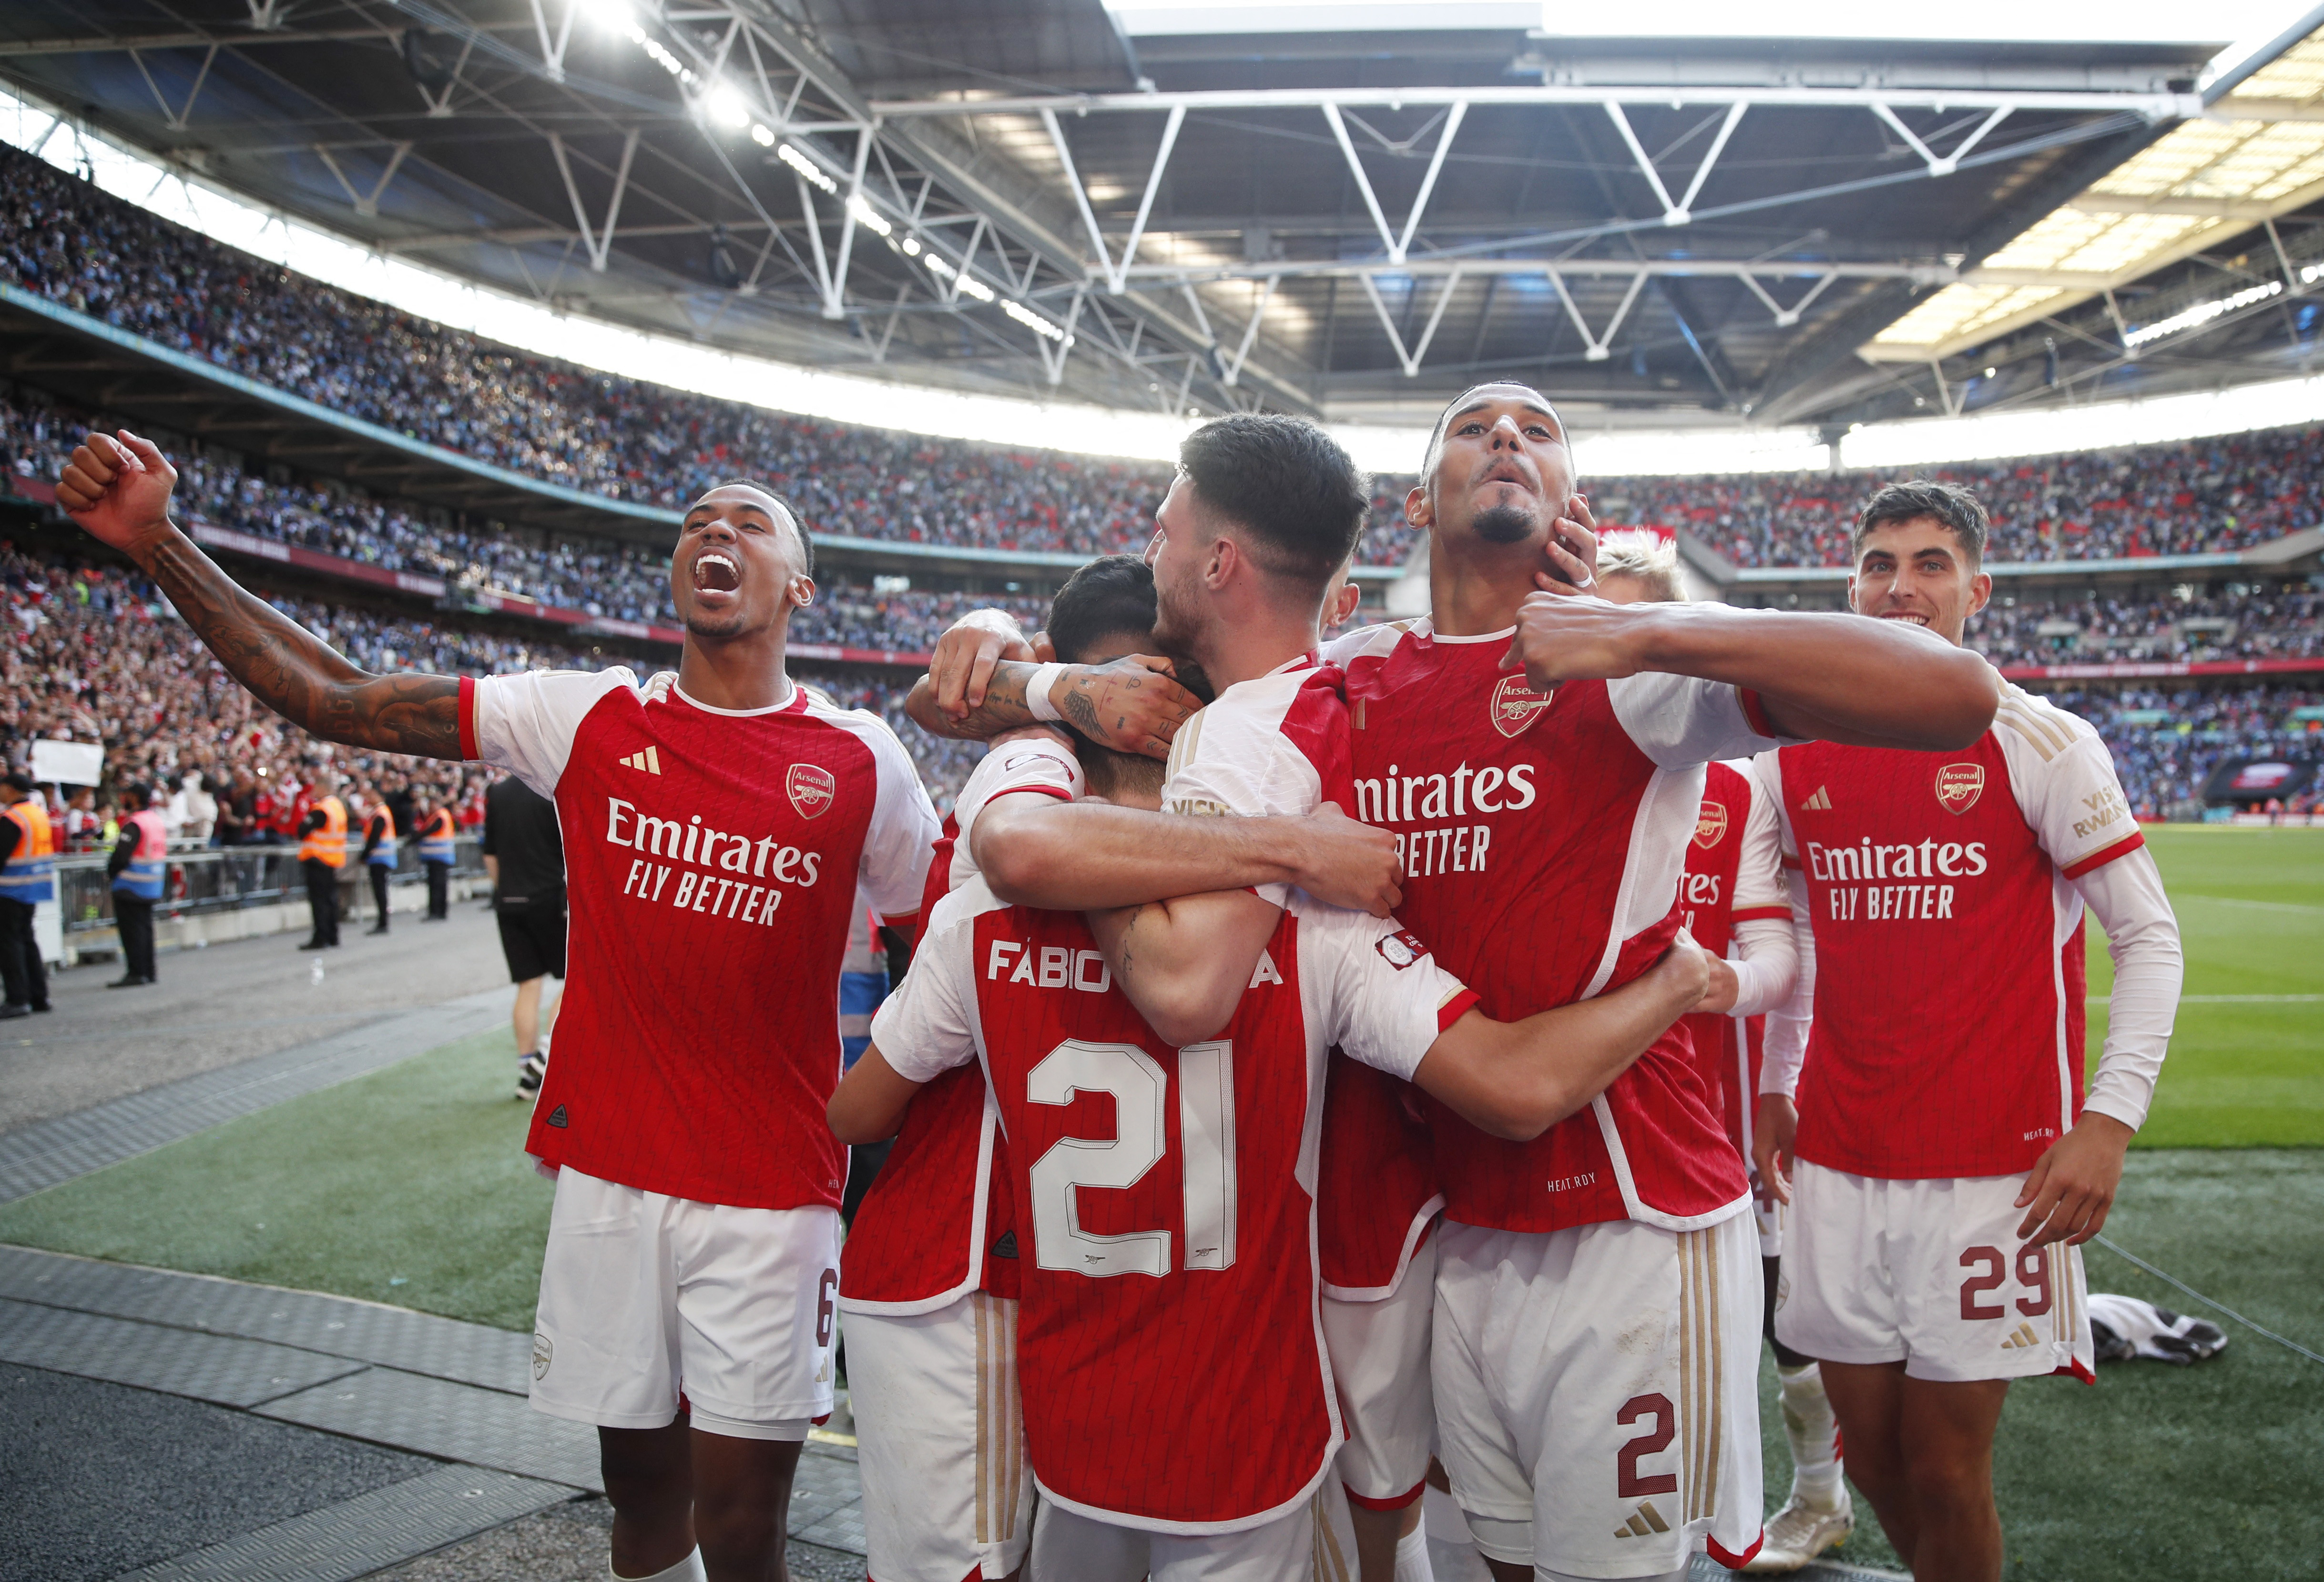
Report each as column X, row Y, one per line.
column 713, row 857
column 1543, row 838
column 1166, row 1229
column 940, row 1220
column 1734, row 875
column 1277, row 745
column 1947, row 1039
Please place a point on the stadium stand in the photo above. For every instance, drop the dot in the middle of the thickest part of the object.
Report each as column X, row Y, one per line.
column 73, row 245
column 596, row 578
column 2166, row 745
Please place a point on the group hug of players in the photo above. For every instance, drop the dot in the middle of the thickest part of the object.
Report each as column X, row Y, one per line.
column 1441, row 1051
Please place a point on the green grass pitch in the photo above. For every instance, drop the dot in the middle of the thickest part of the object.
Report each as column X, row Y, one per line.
column 410, row 1186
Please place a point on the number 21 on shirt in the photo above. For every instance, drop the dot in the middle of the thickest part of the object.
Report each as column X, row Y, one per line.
column 1139, row 1087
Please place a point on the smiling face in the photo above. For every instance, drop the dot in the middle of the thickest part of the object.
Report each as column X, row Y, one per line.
column 1916, row 571
column 1501, row 473
column 740, row 566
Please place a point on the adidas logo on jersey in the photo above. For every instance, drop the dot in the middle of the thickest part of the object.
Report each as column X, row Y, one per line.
column 1644, row 1522
column 1819, row 803
column 2020, row 1338
column 649, row 761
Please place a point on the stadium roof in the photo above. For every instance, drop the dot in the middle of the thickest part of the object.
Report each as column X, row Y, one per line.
column 1048, row 196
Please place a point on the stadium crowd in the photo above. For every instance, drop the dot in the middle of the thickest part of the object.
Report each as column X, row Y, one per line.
column 631, row 440
column 95, row 655
column 2013, row 631
column 2166, row 745
column 600, row 577
column 69, row 242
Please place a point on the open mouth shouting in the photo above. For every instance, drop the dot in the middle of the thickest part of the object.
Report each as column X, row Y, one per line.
column 717, row 577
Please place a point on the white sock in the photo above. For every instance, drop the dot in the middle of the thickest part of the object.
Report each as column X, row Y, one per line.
column 1412, row 1557
column 689, row 1569
column 1814, row 1434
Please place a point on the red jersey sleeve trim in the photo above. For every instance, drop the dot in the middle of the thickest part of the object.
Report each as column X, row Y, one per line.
column 1048, row 790
column 1392, row 1503
column 1755, row 711
column 1449, row 1013
column 468, row 719
column 2107, row 854
column 1755, row 914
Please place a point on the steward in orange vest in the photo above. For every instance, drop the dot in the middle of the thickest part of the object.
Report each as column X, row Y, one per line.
column 322, row 853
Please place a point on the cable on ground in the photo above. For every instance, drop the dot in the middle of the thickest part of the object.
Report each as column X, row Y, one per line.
column 2206, row 1301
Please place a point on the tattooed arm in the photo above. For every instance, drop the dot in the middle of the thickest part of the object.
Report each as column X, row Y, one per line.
column 119, row 491
column 1131, row 704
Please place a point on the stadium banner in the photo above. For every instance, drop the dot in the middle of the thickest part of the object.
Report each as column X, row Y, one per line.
column 307, row 559
column 2258, row 779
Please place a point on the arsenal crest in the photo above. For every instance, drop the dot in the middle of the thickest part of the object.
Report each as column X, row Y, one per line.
column 811, row 789
column 1959, row 785
column 1710, row 824
column 1517, row 706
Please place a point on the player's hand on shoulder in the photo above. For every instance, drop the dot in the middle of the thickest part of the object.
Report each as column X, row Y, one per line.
column 1573, row 636
column 1350, row 864
column 2071, row 1188
column 962, row 665
column 1131, row 704
column 658, row 686
column 117, row 489
column 1775, row 1124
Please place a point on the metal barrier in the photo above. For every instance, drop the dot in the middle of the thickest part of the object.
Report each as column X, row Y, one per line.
column 222, row 879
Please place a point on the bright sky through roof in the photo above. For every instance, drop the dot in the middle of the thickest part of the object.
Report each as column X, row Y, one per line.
column 2004, row 21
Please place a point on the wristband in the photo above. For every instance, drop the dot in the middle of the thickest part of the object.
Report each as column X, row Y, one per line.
column 1038, row 689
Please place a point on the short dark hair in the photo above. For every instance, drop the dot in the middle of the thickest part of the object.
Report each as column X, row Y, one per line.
column 19, row 782
column 1948, row 504
column 798, row 522
column 1113, row 593
column 1285, row 482
column 1444, row 418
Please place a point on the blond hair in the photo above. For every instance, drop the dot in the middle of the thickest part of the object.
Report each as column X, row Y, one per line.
column 1649, row 557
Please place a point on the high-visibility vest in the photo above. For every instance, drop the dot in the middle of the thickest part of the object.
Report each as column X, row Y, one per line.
column 436, row 838
column 30, row 874
column 328, row 845
column 382, row 856
column 149, row 858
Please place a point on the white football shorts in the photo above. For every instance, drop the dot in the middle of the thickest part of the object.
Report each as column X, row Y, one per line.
column 644, row 1297
column 1314, row 1544
column 1379, row 1362
column 1597, row 1392
column 1931, row 1275
column 940, row 1434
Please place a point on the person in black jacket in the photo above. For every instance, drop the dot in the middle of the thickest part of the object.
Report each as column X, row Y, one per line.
column 524, row 853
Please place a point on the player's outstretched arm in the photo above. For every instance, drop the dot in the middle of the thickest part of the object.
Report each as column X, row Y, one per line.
column 1820, row 676
column 1517, row 1080
column 1130, row 704
column 1086, row 855
column 869, row 1103
column 119, row 491
column 1184, row 963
